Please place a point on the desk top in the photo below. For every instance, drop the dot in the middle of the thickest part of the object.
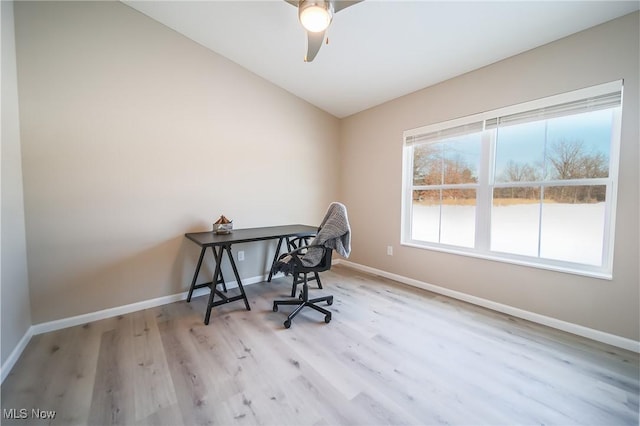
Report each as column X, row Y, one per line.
column 207, row 239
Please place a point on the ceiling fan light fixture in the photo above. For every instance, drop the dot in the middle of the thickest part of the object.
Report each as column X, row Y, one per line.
column 314, row 16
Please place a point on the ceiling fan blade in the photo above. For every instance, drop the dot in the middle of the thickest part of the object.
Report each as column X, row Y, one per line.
column 315, row 39
column 338, row 5
column 314, row 43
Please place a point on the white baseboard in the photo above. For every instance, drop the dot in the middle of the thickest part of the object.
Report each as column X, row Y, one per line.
column 600, row 336
column 133, row 307
column 6, row 368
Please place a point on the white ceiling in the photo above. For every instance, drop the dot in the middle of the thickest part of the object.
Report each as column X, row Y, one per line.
column 378, row 50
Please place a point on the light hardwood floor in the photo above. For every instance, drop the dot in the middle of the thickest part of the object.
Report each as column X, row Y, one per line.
column 392, row 354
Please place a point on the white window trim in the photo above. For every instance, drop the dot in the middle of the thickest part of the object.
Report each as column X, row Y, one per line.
column 483, row 210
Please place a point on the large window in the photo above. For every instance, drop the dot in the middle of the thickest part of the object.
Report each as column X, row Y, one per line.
column 533, row 183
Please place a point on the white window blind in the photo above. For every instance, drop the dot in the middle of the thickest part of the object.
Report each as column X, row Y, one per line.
column 607, row 95
column 446, row 133
column 608, row 100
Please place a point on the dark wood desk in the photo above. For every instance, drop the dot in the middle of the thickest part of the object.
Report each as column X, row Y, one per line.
column 220, row 243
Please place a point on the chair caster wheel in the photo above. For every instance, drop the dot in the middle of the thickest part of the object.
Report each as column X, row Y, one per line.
column 327, row 318
column 275, row 308
column 330, row 301
column 287, row 324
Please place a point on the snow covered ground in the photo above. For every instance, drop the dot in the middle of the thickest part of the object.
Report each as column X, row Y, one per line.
column 570, row 232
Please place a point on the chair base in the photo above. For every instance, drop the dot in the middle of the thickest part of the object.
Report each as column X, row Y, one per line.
column 299, row 279
column 301, row 303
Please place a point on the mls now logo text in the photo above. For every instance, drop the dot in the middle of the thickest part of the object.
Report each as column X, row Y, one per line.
column 23, row 413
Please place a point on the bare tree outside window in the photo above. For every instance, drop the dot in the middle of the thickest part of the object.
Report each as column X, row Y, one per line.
column 570, row 160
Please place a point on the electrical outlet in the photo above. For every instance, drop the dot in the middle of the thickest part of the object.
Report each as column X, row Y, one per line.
column 389, row 250
column 240, row 256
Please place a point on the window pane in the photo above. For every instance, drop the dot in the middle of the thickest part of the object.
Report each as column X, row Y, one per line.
column 454, row 160
column 427, row 164
column 425, row 217
column 579, row 145
column 461, row 159
column 515, row 219
column 570, row 147
column 520, row 152
column 573, row 224
column 458, row 217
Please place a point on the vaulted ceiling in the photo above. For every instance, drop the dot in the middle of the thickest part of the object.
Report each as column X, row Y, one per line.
column 378, row 50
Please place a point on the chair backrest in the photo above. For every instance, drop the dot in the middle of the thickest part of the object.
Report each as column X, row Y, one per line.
column 326, row 261
column 335, row 231
column 324, row 265
column 297, row 242
column 333, row 234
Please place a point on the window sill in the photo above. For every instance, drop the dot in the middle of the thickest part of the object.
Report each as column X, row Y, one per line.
column 515, row 260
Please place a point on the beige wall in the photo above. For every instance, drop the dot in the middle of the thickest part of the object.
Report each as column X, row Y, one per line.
column 14, row 282
column 371, row 153
column 133, row 135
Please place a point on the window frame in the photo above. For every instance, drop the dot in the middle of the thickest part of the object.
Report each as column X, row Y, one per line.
column 486, row 183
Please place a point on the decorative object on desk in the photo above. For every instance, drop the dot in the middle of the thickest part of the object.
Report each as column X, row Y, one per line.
column 223, row 225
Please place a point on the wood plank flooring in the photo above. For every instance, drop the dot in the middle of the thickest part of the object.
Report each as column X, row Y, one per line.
column 392, row 354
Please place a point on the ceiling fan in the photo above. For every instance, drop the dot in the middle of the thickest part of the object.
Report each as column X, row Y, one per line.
column 315, row 16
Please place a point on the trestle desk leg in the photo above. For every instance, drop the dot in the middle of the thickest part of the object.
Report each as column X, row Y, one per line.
column 219, row 280
column 214, row 283
column 275, row 257
column 195, row 275
column 235, row 272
